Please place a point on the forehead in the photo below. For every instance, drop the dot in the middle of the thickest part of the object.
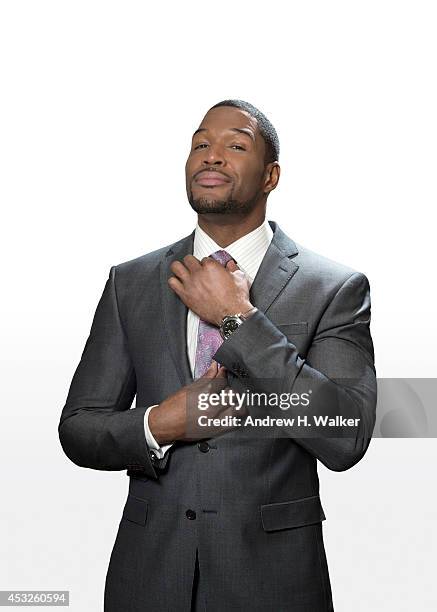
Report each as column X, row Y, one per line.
column 225, row 118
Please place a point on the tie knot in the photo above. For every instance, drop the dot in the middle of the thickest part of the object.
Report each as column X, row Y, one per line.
column 222, row 257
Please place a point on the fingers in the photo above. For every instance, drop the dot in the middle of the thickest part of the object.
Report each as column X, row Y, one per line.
column 182, row 271
column 175, row 284
column 179, row 270
column 192, row 263
column 221, row 372
column 215, row 371
column 231, row 266
column 211, row 372
column 227, row 412
column 209, row 261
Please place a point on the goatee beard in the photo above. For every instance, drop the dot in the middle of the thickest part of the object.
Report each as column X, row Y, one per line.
column 205, row 205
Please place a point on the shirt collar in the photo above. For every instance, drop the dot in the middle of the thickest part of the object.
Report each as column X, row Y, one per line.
column 248, row 251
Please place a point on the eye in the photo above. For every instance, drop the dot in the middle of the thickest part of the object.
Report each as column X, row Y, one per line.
column 200, row 146
column 238, row 147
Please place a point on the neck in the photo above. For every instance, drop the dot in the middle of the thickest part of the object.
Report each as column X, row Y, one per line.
column 225, row 229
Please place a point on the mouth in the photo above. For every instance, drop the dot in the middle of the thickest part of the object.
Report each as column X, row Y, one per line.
column 211, row 179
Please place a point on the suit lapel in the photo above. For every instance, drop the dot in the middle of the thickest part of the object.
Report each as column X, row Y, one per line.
column 175, row 312
column 276, row 270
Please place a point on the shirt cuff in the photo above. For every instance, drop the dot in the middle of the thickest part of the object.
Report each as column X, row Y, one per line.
column 151, row 442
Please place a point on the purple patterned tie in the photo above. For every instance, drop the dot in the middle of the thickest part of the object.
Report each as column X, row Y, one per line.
column 208, row 338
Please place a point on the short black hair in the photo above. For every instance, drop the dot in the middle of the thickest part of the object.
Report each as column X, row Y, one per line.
column 266, row 128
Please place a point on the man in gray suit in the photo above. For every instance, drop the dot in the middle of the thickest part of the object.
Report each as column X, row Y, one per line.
column 227, row 517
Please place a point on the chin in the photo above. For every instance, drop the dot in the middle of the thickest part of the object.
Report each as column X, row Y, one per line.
column 208, row 205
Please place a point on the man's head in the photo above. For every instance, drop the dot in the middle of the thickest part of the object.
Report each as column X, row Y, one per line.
column 233, row 161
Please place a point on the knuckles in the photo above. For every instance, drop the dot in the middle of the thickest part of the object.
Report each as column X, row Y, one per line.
column 207, row 262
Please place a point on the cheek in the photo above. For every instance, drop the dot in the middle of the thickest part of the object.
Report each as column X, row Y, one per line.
column 191, row 161
column 250, row 180
column 188, row 166
column 189, row 170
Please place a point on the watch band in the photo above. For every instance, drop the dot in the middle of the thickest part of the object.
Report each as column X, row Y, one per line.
column 246, row 315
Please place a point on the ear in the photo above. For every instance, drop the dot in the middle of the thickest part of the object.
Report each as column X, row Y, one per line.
column 271, row 176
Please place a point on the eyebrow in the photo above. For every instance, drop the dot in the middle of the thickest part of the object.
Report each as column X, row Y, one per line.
column 240, row 130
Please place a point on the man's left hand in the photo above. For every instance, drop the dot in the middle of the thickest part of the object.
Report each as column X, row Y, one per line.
column 209, row 289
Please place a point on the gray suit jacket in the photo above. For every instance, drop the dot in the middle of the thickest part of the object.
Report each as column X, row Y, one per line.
column 246, row 501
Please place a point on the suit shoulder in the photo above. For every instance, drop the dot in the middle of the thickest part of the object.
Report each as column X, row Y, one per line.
column 319, row 266
column 148, row 261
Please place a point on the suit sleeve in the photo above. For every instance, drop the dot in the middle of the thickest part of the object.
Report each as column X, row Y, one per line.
column 98, row 428
column 338, row 368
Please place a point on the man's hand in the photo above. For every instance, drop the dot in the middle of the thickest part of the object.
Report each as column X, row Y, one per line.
column 176, row 418
column 209, row 289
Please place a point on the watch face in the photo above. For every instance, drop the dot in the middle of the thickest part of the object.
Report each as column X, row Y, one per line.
column 229, row 327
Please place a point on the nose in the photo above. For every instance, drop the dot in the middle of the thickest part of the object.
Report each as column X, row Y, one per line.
column 214, row 156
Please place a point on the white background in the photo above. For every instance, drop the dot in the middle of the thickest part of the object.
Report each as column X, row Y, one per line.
column 98, row 104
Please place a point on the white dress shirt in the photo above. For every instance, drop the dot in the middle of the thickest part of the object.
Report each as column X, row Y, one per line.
column 248, row 251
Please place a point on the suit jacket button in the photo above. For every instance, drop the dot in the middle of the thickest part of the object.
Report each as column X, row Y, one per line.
column 203, row 447
column 190, row 514
column 153, row 457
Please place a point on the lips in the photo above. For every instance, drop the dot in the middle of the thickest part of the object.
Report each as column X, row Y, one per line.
column 211, row 179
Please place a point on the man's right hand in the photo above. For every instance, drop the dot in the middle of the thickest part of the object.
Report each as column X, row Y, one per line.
column 176, row 417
